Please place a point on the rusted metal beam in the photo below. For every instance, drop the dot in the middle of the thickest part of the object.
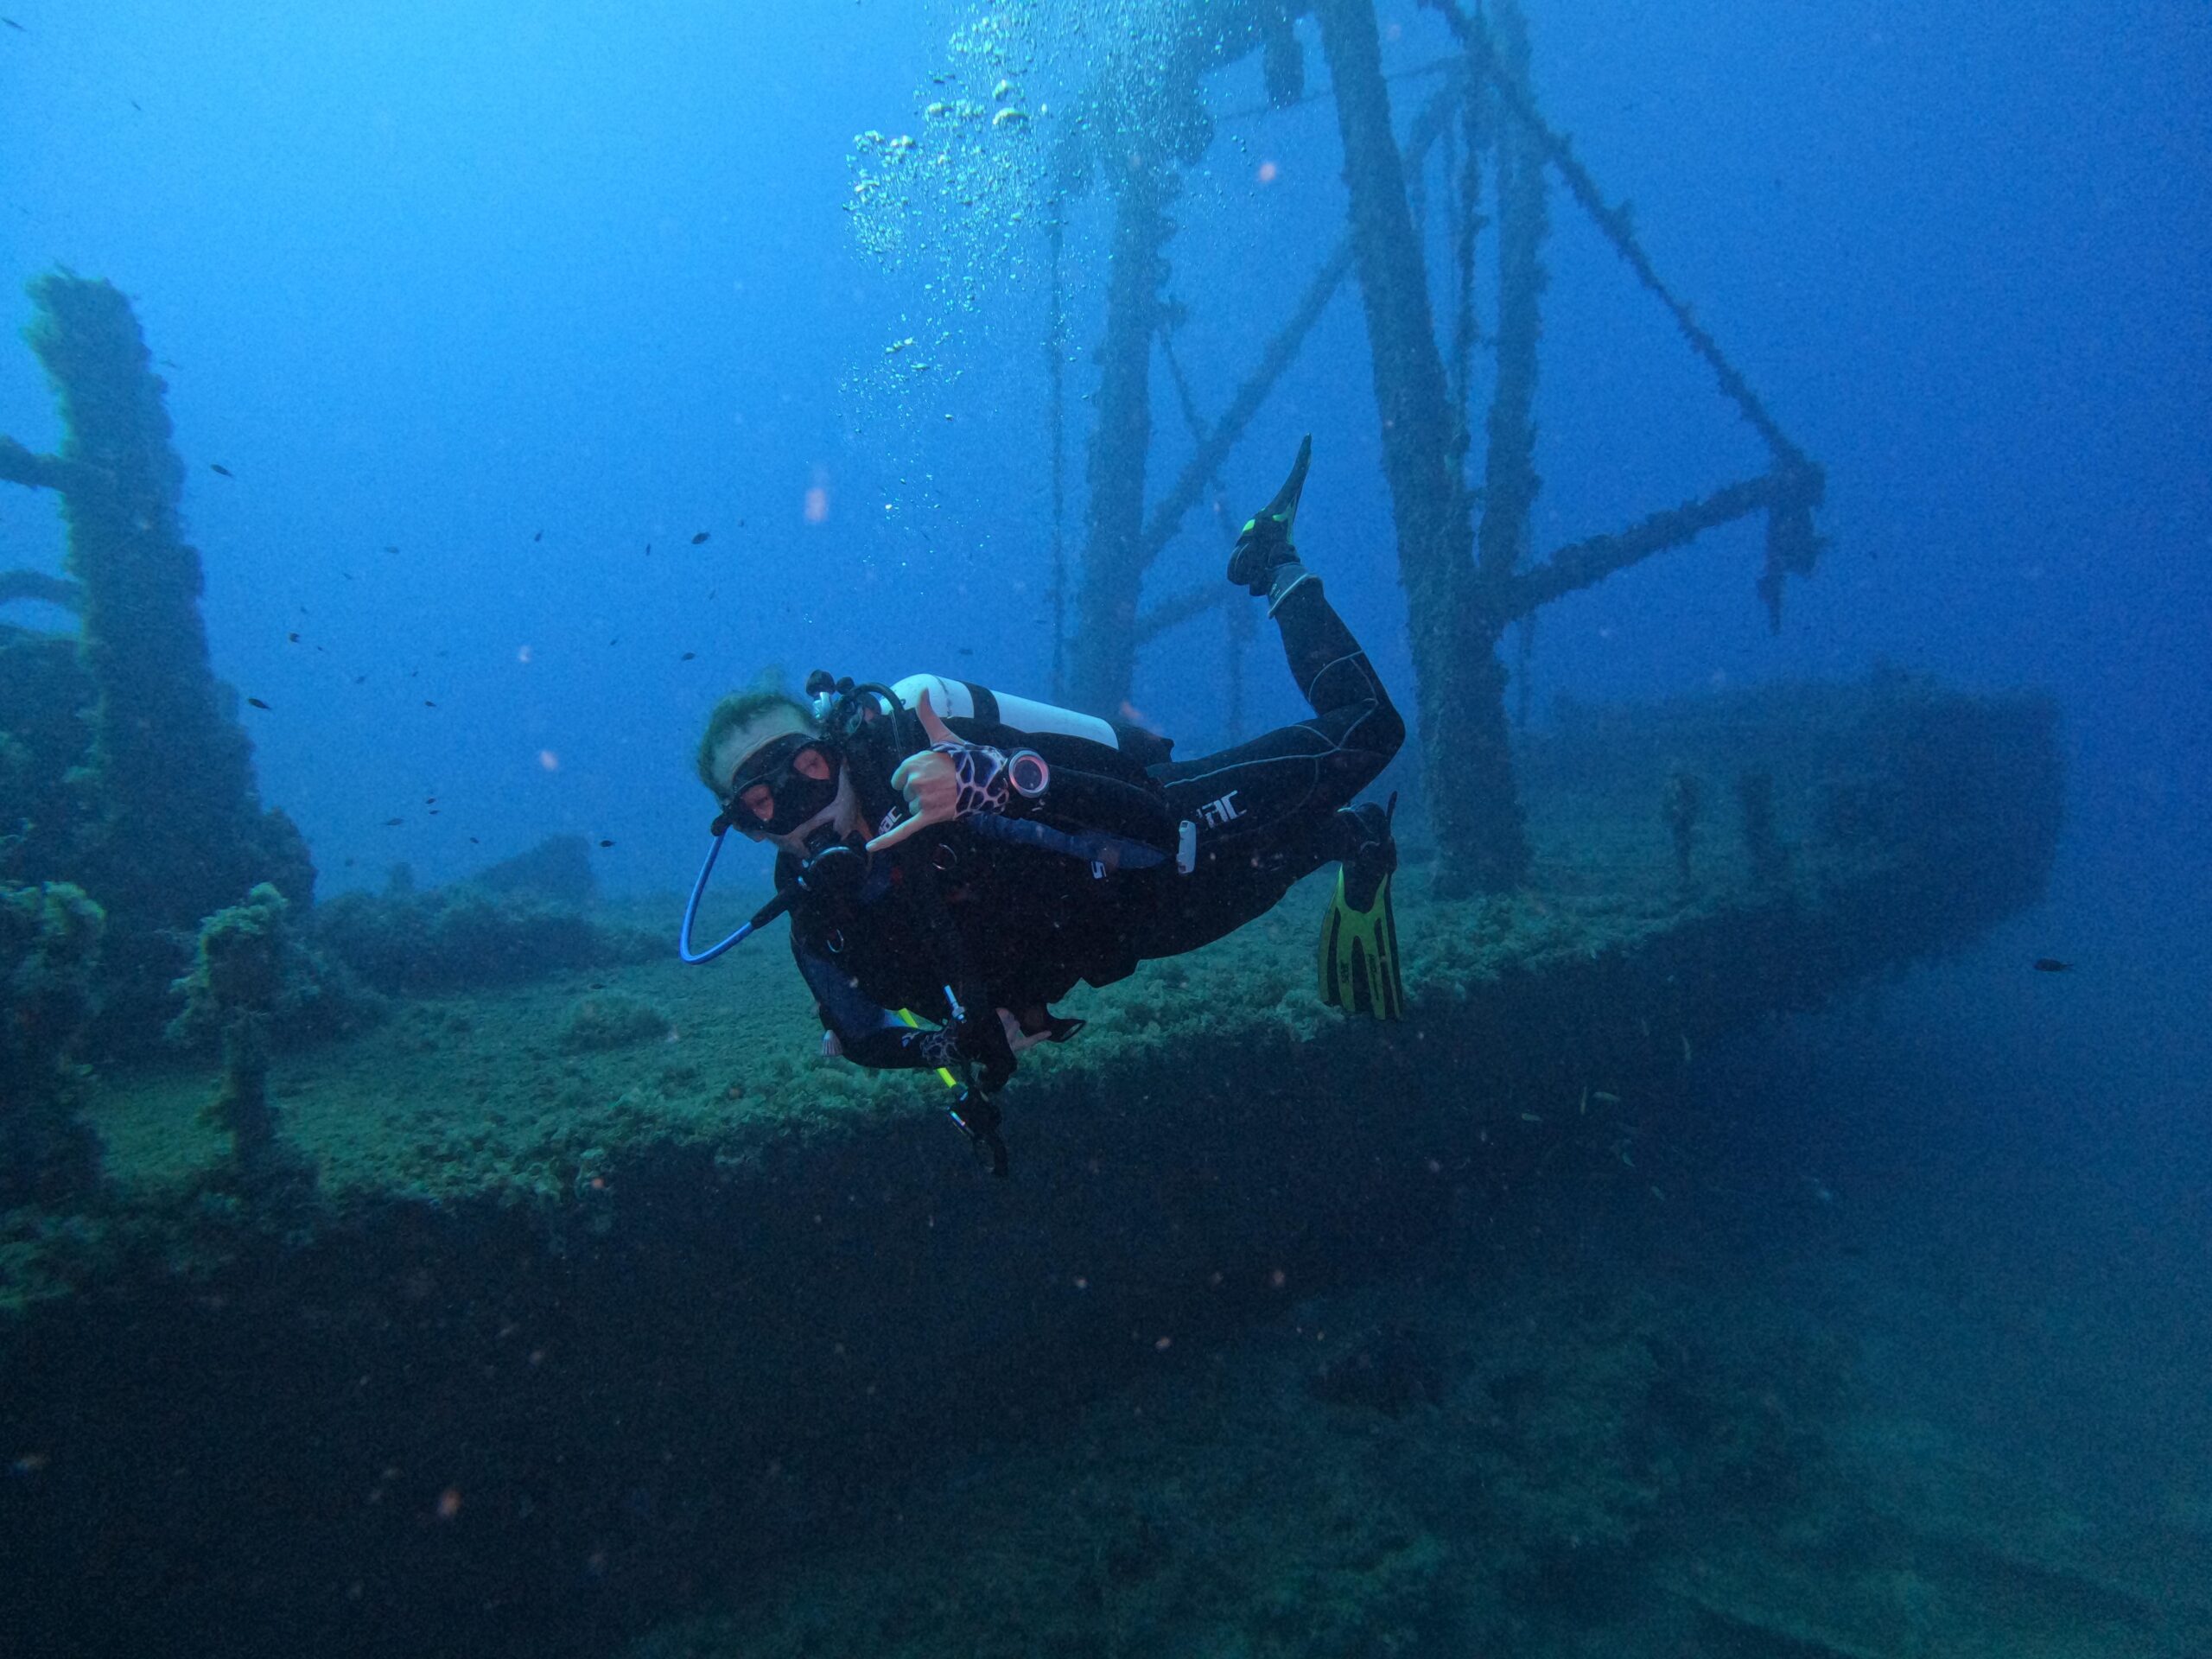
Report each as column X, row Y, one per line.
column 1588, row 563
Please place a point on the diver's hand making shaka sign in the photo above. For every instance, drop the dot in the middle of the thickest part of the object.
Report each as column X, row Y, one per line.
column 949, row 780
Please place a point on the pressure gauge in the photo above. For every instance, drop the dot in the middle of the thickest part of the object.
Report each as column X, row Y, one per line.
column 1027, row 771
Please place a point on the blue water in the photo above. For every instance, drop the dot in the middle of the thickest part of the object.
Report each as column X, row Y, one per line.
column 489, row 309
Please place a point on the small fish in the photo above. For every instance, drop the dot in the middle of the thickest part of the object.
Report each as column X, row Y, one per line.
column 965, row 651
column 427, row 703
column 359, row 678
column 687, row 656
column 606, row 843
column 2052, row 965
column 13, row 24
column 390, row 549
column 649, row 549
column 393, row 823
column 138, row 106
column 218, row 467
column 700, row 536
column 616, row 640
column 256, row 703
column 539, row 537
column 429, row 800
column 293, row 638
column 474, row 842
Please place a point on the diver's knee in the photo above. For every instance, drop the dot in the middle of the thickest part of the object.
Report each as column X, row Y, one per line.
column 1383, row 733
column 1359, row 761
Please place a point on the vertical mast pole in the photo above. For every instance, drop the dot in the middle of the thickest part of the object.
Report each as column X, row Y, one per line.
column 1466, row 755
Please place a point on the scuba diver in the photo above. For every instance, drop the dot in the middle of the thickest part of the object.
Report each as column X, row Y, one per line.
column 947, row 852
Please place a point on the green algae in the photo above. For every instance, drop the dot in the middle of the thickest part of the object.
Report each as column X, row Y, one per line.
column 49, row 946
column 491, row 1091
column 484, row 1095
column 617, row 1020
column 1604, row 975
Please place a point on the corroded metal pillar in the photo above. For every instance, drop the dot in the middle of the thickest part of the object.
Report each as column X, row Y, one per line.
column 1103, row 655
column 165, row 826
column 1460, row 685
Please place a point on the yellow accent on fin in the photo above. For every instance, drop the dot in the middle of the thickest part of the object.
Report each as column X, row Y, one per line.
column 1359, row 955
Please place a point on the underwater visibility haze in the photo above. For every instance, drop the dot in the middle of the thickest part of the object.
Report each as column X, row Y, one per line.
column 1534, row 983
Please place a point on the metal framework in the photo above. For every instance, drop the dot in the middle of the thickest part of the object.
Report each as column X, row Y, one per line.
column 1463, row 552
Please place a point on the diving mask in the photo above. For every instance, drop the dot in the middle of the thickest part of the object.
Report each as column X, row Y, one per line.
column 771, row 793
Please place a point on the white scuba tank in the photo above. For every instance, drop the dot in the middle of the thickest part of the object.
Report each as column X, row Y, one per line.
column 963, row 700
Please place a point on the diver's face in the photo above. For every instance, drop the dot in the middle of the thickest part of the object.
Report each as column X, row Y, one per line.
column 774, row 748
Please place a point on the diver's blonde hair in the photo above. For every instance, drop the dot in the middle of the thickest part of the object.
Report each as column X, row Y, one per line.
column 742, row 708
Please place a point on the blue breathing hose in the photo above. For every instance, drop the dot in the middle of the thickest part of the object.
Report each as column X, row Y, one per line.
column 761, row 917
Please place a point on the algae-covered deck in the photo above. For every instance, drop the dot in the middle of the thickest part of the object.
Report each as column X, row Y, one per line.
column 561, row 1249
column 1824, row 832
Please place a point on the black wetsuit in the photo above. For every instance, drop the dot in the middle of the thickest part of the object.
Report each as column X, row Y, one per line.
column 1001, row 925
